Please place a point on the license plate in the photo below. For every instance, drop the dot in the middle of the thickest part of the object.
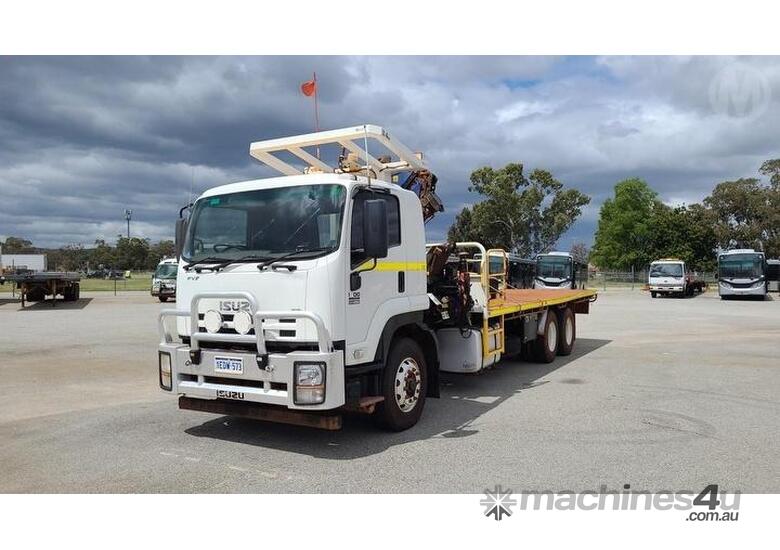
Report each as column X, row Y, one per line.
column 229, row 365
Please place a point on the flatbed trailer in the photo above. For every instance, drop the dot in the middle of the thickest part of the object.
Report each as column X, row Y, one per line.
column 34, row 287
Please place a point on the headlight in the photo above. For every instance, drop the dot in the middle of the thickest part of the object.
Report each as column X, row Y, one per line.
column 309, row 383
column 165, row 371
column 242, row 322
column 212, row 320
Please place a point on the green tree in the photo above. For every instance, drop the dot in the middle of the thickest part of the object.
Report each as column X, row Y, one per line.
column 132, row 253
column 103, row 254
column 624, row 236
column 745, row 214
column 771, row 169
column 684, row 232
column 18, row 245
column 163, row 249
column 519, row 214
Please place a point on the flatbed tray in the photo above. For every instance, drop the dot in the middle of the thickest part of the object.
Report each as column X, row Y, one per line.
column 43, row 276
column 527, row 299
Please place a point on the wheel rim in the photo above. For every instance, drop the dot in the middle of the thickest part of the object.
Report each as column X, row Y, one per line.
column 552, row 336
column 569, row 331
column 408, row 382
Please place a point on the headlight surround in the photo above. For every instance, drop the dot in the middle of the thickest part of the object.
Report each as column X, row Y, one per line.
column 309, row 378
column 166, row 374
column 242, row 322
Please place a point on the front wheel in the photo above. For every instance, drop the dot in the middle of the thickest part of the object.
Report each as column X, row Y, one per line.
column 163, row 298
column 404, row 385
column 653, row 294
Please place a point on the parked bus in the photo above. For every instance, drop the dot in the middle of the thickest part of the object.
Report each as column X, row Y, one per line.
column 559, row 270
column 742, row 272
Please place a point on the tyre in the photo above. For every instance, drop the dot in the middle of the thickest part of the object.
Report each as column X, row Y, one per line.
column 404, row 384
column 568, row 332
column 653, row 294
column 546, row 345
column 163, row 298
column 36, row 295
column 71, row 293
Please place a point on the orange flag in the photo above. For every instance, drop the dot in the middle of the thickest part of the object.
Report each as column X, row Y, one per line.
column 309, row 87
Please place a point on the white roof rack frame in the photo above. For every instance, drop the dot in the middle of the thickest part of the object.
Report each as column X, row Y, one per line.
column 406, row 159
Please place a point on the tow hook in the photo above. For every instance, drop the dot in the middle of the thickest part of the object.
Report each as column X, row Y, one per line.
column 262, row 361
column 195, row 356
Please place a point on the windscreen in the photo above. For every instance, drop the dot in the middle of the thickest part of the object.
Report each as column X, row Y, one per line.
column 741, row 266
column 166, row 271
column 267, row 223
column 558, row 267
column 666, row 270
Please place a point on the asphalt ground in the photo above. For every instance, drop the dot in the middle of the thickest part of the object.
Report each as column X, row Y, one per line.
column 661, row 394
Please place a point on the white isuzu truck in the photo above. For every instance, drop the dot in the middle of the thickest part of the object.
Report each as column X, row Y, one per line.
column 303, row 296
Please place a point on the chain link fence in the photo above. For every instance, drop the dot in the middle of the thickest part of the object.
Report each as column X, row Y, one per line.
column 632, row 279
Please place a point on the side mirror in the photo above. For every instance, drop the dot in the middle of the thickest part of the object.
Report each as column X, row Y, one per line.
column 181, row 231
column 375, row 228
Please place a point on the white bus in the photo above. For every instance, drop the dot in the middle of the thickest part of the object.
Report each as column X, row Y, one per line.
column 742, row 272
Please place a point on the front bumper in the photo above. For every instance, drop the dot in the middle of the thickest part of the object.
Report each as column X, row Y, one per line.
column 164, row 291
column 753, row 290
column 664, row 288
column 267, row 378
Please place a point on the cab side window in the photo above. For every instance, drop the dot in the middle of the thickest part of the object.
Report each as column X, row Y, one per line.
column 393, row 223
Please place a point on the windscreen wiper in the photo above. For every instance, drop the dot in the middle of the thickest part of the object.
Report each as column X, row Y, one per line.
column 206, row 260
column 241, row 260
column 262, row 266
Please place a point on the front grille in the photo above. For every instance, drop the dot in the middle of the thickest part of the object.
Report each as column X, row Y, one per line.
column 271, row 346
column 741, row 285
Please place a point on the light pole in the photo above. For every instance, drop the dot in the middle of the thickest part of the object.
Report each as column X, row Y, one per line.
column 128, row 216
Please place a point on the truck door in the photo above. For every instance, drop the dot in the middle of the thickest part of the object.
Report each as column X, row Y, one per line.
column 379, row 288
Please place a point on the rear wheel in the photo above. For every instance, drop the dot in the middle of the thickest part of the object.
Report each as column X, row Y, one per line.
column 546, row 345
column 36, row 295
column 653, row 294
column 568, row 332
column 71, row 293
column 404, row 385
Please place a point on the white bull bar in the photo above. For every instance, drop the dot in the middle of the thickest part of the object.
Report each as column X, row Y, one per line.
column 192, row 370
column 324, row 342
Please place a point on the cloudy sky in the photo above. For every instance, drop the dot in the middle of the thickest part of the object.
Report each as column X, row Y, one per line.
column 81, row 139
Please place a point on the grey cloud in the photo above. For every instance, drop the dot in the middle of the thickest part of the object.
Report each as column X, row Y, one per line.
column 83, row 138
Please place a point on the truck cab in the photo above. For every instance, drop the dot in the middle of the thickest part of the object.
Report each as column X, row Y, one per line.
column 329, row 262
column 164, row 279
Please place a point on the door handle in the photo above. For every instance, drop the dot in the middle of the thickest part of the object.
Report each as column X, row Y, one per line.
column 401, row 281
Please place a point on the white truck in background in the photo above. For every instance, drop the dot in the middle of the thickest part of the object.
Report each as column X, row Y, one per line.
column 164, row 279
column 306, row 295
column 671, row 277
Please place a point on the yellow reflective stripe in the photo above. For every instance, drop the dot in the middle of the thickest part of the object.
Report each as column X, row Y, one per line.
column 394, row 266
column 400, row 266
